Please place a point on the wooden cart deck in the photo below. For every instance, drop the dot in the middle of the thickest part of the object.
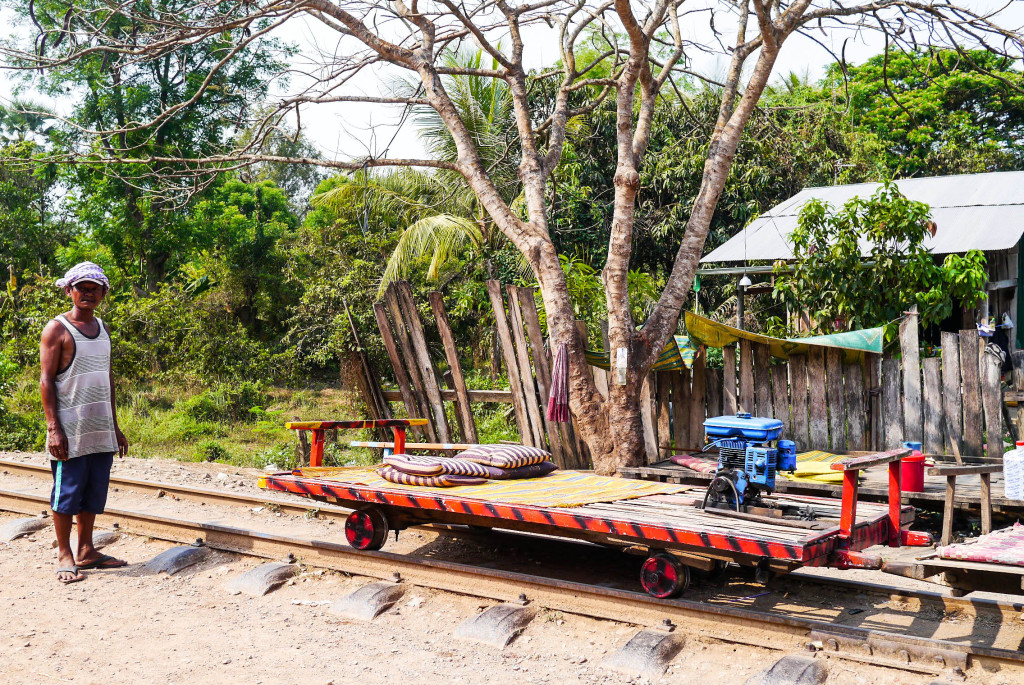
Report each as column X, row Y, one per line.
column 656, row 521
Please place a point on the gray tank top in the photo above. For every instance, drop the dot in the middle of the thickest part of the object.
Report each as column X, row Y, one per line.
column 83, row 394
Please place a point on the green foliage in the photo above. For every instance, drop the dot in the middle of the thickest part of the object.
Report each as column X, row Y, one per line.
column 210, row 450
column 225, row 402
column 938, row 112
column 841, row 292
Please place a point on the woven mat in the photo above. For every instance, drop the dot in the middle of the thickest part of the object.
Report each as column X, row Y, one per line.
column 1004, row 546
column 558, row 489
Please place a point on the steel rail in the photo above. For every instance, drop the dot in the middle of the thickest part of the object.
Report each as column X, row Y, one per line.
column 785, row 632
column 300, row 506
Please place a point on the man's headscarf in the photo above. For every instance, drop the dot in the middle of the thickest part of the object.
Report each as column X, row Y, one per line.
column 84, row 271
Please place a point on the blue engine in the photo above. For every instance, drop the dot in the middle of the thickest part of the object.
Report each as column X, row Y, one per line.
column 749, row 455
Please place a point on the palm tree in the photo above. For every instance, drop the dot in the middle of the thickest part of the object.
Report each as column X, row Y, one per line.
column 443, row 217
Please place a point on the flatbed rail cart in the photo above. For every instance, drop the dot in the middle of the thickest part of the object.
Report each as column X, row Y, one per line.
column 786, row 533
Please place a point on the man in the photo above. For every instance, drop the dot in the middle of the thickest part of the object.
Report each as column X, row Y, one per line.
column 77, row 386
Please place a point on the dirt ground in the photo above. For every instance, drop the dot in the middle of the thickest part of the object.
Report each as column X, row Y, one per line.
column 119, row 626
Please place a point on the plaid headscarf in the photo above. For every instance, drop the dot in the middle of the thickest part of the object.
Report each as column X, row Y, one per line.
column 84, row 271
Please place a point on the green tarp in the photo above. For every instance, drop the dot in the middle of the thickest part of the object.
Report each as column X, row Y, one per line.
column 679, row 351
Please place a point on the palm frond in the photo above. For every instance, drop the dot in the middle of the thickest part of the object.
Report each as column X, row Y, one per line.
column 441, row 237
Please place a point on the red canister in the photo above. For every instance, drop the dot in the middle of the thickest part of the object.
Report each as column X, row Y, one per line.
column 912, row 469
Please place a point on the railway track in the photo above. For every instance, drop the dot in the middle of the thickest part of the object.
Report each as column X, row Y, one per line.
column 717, row 621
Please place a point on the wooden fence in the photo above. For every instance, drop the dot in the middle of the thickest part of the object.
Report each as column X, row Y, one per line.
column 949, row 403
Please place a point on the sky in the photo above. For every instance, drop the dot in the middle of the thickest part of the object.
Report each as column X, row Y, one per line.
column 350, row 130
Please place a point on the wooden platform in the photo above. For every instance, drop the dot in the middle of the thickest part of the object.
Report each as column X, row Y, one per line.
column 874, row 487
column 655, row 521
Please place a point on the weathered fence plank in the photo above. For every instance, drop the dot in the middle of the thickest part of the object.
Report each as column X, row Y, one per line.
column 525, row 370
column 542, row 369
column 873, row 392
column 511, row 364
column 427, row 371
column 697, row 398
column 798, row 394
column 408, row 356
column 729, row 380
column 969, row 372
column 931, row 368
column 780, row 395
column 713, row 384
column 746, row 363
column 952, row 401
column 648, row 420
column 911, row 351
column 836, row 399
column 462, row 407
column 892, row 408
column 681, row 411
column 401, row 375
column 992, row 399
column 856, row 415
column 663, row 381
column 818, row 407
column 762, row 380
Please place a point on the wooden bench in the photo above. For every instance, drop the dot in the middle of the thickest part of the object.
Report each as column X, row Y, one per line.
column 985, row 471
column 316, row 451
column 851, row 468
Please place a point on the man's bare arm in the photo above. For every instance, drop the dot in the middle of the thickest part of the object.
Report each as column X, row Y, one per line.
column 122, row 442
column 49, row 362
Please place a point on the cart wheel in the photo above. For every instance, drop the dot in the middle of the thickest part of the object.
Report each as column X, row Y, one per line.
column 664, row 576
column 366, row 529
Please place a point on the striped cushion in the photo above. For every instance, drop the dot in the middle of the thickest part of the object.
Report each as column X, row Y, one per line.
column 416, row 466
column 464, row 467
column 393, row 475
column 505, row 456
column 531, row 471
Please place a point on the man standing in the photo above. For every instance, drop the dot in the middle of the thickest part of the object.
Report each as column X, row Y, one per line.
column 77, row 386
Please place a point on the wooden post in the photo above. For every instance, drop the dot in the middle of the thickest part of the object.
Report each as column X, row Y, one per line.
column 818, row 403
column 509, row 355
column 542, row 367
column 952, row 402
column 462, row 406
column 746, row 377
column 762, row 380
column 892, row 409
column 427, row 371
column 798, row 392
column 729, row 380
column 948, row 509
column 401, row 375
column 408, row 356
column 697, row 396
column 684, row 440
column 932, row 397
column 836, row 399
column 969, row 371
column 911, row 352
column 992, row 398
column 525, row 371
column 986, row 503
column 856, row 416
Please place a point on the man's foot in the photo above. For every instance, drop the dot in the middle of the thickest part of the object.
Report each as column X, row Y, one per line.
column 101, row 562
column 69, row 574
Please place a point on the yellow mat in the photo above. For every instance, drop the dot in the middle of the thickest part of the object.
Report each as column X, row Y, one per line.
column 558, row 489
column 816, row 467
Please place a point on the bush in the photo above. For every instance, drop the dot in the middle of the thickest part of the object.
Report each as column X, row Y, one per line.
column 283, row 455
column 211, row 450
column 225, row 403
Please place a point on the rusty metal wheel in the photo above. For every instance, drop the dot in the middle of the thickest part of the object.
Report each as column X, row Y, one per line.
column 366, row 529
column 664, row 576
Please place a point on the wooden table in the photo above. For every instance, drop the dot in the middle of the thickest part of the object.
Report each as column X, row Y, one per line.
column 316, row 451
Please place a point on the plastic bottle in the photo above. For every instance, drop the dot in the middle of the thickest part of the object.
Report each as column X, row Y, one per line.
column 1013, row 472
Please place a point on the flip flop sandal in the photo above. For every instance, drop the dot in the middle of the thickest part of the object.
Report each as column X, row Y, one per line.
column 70, row 569
column 105, row 561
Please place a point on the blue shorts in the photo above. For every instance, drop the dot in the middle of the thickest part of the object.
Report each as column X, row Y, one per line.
column 80, row 484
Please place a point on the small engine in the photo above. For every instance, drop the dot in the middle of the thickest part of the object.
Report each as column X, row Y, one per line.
column 749, row 455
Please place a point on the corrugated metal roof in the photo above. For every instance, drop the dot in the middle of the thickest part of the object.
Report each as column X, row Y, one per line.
column 972, row 212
